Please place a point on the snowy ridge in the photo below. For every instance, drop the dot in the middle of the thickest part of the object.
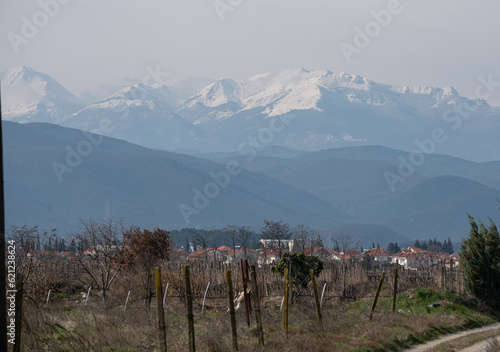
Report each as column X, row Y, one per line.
column 278, row 93
column 141, row 92
column 215, row 94
column 34, row 96
column 329, row 110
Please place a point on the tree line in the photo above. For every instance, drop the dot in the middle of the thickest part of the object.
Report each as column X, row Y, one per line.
column 434, row 245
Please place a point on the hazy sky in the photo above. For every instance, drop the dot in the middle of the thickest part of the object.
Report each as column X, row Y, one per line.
column 88, row 43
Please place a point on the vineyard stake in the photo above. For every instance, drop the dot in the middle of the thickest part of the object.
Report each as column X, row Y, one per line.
column 244, row 277
column 374, row 304
column 285, row 308
column 88, row 294
column 451, row 274
column 322, row 294
column 394, row 293
column 165, row 295
column 126, row 302
column 162, row 334
column 189, row 303
column 256, row 303
column 316, row 298
column 205, row 296
column 230, row 298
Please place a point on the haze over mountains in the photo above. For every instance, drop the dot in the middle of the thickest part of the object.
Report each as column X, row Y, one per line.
column 305, row 140
column 317, row 110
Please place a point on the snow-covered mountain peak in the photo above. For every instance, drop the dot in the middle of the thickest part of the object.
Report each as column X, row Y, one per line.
column 220, row 92
column 280, row 92
column 162, row 95
column 12, row 75
column 33, row 96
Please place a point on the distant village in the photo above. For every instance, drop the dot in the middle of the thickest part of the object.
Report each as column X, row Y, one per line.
column 270, row 252
column 410, row 258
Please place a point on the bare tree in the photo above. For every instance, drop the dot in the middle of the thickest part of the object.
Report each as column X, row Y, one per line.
column 345, row 243
column 231, row 232
column 146, row 249
column 303, row 238
column 201, row 242
column 29, row 259
column 101, row 254
column 212, row 235
column 277, row 232
column 244, row 235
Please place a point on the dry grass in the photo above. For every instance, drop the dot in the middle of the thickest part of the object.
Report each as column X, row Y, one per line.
column 68, row 326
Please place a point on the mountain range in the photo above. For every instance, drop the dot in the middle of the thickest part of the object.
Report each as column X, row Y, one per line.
column 293, row 108
column 304, row 147
column 55, row 176
column 49, row 182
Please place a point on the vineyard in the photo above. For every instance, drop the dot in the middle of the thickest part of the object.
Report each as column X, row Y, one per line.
column 61, row 313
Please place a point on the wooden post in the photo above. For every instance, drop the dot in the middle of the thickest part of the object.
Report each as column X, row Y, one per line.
column 189, row 303
column 395, row 289
column 165, row 295
column 316, row 298
column 322, row 295
column 162, row 334
column 204, row 297
column 451, row 275
column 460, row 278
column 18, row 312
column 148, row 289
column 126, row 302
column 232, row 314
column 262, row 291
column 442, row 277
column 374, row 304
column 285, row 303
column 256, row 303
column 88, row 295
column 244, row 280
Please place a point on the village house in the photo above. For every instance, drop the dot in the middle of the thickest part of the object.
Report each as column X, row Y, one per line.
column 268, row 256
column 179, row 255
column 415, row 258
column 349, row 255
column 323, row 253
column 379, row 255
column 286, row 245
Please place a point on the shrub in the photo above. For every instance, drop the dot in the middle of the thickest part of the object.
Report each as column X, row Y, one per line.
column 300, row 265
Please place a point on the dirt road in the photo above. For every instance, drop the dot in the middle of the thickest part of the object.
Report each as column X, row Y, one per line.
column 477, row 347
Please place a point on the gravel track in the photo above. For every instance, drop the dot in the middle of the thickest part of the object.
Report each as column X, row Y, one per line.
column 479, row 347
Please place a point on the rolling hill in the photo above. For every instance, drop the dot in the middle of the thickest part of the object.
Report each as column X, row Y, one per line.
column 144, row 187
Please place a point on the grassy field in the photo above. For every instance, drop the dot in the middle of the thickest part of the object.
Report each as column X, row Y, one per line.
column 66, row 325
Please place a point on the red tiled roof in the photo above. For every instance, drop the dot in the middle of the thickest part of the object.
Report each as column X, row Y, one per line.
column 269, row 252
column 415, row 249
column 224, row 248
column 200, row 252
column 377, row 251
column 311, row 251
